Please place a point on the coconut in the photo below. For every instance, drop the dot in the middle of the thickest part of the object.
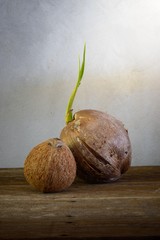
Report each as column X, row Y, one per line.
column 98, row 141
column 100, row 145
column 50, row 166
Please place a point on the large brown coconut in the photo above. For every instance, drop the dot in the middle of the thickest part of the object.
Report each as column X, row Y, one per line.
column 99, row 142
column 50, row 166
column 100, row 145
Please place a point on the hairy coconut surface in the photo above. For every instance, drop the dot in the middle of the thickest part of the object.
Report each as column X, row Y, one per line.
column 50, row 166
column 100, row 145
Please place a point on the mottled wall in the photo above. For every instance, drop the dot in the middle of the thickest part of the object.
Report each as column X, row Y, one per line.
column 40, row 42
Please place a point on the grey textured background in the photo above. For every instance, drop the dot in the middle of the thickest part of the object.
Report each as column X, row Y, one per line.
column 40, row 41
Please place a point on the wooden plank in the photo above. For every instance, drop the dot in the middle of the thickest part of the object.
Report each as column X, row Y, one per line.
column 128, row 208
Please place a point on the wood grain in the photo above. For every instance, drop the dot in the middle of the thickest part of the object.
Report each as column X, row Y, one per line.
column 126, row 209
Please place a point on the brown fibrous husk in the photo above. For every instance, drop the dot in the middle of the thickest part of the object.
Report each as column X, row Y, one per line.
column 50, row 166
column 100, row 144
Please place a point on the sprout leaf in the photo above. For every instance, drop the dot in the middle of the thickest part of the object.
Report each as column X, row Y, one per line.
column 69, row 115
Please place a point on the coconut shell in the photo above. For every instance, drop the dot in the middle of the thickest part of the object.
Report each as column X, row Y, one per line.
column 100, row 145
column 50, row 166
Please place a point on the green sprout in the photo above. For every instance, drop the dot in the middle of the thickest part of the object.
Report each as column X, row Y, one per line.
column 69, row 115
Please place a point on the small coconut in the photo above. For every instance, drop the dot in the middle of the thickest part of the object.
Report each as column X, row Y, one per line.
column 50, row 166
column 100, row 145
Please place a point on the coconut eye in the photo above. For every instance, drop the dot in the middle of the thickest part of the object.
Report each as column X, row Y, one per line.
column 59, row 145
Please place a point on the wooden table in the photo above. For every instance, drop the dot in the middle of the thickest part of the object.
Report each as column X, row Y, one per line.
column 126, row 209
